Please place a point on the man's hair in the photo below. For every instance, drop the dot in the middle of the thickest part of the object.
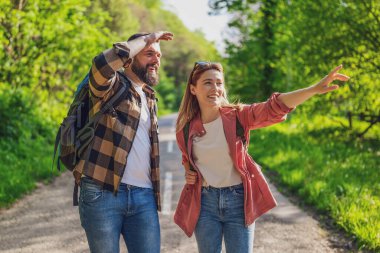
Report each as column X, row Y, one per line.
column 136, row 35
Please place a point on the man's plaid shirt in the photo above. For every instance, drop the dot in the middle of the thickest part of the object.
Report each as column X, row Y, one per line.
column 114, row 135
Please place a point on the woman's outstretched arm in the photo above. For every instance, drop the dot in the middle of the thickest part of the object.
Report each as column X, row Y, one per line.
column 297, row 97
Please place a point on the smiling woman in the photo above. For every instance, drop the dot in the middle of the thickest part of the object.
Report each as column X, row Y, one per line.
column 209, row 88
column 226, row 191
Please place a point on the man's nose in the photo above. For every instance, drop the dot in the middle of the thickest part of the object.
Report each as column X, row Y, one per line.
column 156, row 59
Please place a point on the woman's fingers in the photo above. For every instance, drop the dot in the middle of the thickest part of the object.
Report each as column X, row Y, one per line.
column 341, row 77
column 324, row 85
column 336, row 69
column 191, row 177
column 329, row 88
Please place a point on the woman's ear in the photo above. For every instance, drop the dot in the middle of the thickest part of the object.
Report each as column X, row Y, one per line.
column 192, row 89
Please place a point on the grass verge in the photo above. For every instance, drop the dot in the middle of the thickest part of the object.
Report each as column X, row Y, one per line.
column 339, row 178
column 22, row 165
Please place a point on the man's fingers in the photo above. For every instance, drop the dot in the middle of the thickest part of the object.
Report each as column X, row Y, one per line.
column 166, row 36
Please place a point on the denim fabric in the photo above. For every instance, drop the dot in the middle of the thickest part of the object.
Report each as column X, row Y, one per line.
column 132, row 213
column 222, row 215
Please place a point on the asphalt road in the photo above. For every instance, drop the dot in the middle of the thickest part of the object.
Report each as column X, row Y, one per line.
column 46, row 221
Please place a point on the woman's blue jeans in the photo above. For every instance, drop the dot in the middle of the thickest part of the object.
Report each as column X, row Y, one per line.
column 132, row 213
column 222, row 215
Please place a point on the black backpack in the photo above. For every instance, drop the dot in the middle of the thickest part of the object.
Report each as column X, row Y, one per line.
column 77, row 128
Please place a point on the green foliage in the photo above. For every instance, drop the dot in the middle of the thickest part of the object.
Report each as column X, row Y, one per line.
column 48, row 47
column 251, row 58
column 319, row 35
column 23, row 163
column 21, row 116
column 285, row 45
column 338, row 177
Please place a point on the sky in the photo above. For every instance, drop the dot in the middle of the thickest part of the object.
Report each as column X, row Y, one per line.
column 193, row 14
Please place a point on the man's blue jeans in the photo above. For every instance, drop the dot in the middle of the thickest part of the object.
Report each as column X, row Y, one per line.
column 132, row 213
column 222, row 214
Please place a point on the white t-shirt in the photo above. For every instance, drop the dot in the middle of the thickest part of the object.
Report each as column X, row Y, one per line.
column 211, row 155
column 137, row 171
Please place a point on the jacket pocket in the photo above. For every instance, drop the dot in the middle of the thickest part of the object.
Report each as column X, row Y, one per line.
column 187, row 211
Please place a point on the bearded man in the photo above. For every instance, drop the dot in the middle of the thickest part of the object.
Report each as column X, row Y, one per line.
column 119, row 178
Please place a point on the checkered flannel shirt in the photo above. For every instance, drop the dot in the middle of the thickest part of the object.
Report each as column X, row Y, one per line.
column 108, row 152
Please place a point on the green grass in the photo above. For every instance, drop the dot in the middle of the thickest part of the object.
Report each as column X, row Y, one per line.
column 22, row 165
column 339, row 178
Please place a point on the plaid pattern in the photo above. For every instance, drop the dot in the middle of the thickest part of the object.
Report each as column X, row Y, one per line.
column 107, row 154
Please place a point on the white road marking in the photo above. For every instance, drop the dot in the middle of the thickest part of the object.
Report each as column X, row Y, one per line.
column 167, row 137
column 167, row 203
column 170, row 146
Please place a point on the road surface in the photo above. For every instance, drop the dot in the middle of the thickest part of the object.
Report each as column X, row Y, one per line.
column 46, row 221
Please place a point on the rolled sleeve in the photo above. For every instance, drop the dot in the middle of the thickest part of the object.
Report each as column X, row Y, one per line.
column 122, row 50
column 264, row 114
column 104, row 67
column 277, row 106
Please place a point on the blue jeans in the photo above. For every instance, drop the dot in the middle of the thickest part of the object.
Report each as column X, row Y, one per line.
column 222, row 214
column 132, row 213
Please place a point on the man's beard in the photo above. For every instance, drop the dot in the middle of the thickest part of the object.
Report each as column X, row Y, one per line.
column 150, row 78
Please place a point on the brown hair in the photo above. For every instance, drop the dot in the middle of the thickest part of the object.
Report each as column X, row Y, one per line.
column 136, row 35
column 189, row 105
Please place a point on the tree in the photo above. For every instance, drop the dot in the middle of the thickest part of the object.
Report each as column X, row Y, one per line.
column 284, row 45
column 251, row 60
column 46, row 48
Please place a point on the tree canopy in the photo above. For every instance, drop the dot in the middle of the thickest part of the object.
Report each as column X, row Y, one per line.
column 284, row 45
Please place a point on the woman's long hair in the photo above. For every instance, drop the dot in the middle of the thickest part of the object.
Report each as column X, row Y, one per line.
column 189, row 105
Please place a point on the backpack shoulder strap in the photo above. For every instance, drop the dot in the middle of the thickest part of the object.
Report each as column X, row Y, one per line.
column 115, row 99
column 186, row 137
column 240, row 131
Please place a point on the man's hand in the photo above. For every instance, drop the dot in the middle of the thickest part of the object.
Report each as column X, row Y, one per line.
column 157, row 36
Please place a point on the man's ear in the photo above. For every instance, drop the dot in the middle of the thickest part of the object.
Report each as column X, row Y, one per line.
column 128, row 63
